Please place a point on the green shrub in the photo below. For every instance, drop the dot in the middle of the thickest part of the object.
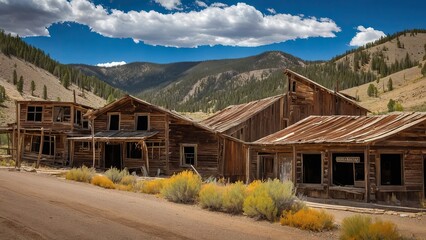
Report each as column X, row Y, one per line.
column 183, row 187
column 102, row 181
column 308, row 219
column 211, row 196
column 282, row 196
column 360, row 227
column 7, row 163
column 116, row 175
column 233, row 197
column 83, row 174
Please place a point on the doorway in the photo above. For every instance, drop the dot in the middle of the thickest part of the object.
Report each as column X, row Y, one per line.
column 266, row 163
column 113, row 155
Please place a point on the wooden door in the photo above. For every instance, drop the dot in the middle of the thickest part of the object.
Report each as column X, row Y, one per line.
column 285, row 172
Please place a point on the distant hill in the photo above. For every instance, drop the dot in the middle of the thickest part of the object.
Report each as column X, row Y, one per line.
column 206, row 85
column 41, row 78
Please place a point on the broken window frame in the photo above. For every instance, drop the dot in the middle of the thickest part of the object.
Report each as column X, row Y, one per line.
column 148, row 127
column 131, row 149
column 85, row 146
column 357, row 182
column 185, row 156
column 60, row 115
column 109, row 120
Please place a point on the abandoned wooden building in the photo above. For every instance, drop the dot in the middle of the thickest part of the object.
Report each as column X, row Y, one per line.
column 42, row 130
column 133, row 133
column 304, row 97
column 369, row 158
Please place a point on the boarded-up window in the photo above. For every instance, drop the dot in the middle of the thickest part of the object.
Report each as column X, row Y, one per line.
column 189, row 154
column 34, row 113
column 312, row 168
column 62, row 114
column 114, row 122
column 391, row 169
column 133, row 150
column 142, row 122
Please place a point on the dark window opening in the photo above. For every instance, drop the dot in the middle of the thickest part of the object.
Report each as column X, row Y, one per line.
column 390, row 169
column 142, row 123
column 348, row 168
column 35, row 145
column 114, row 122
column 62, row 114
column 85, row 146
column 78, row 117
column 133, row 150
column 85, row 124
column 266, row 166
column 189, row 155
column 312, row 168
column 293, row 86
column 34, row 113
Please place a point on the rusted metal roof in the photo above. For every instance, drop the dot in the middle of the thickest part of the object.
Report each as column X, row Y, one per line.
column 343, row 129
column 117, row 135
column 237, row 114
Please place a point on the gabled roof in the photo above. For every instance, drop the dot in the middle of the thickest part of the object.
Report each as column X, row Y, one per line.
column 117, row 135
column 237, row 114
column 310, row 82
column 53, row 103
column 123, row 100
column 343, row 129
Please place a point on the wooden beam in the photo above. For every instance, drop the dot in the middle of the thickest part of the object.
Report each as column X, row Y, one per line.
column 72, row 146
column 145, row 151
column 367, row 173
column 18, row 147
column 294, row 165
column 93, row 143
column 40, row 149
column 403, row 143
column 247, row 165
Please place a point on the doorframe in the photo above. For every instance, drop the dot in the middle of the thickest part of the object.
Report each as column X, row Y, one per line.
column 121, row 153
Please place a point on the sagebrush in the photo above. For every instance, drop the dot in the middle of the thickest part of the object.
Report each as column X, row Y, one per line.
column 82, row 174
column 233, row 197
column 102, row 181
column 151, row 186
column 182, row 187
column 211, row 196
column 308, row 219
column 116, row 175
column 359, row 227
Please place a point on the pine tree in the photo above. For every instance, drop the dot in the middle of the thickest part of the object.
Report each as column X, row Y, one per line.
column 15, row 77
column 2, row 94
column 33, row 87
column 372, row 90
column 44, row 92
column 20, row 85
column 390, row 84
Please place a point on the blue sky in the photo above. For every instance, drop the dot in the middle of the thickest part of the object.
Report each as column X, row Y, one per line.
column 163, row 31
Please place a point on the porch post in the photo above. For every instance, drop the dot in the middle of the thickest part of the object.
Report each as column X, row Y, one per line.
column 40, row 149
column 93, row 143
column 247, row 165
column 367, row 173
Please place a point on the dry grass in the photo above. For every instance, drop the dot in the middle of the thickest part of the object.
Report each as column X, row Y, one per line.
column 83, row 174
column 308, row 219
column 182, row 188
column 151, row 186
column 211, row 196
column 233, row 197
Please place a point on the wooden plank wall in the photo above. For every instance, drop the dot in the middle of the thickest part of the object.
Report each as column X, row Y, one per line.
column 85, row 156
column 234, row 160
column 207, row 147
column 266, row 122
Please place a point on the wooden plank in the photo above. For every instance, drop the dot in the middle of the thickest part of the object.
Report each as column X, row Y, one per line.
column 40, row 148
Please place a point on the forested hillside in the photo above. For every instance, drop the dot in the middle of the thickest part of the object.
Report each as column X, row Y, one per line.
column 14, row 46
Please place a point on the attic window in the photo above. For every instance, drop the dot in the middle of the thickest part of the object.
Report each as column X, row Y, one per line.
column 142, row 122
column 293, row 86
column 114, row 122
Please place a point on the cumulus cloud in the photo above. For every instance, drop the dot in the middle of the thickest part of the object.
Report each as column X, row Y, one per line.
column 111, row 64
column 201, row 4
column 170, row 4
column 366, row 35
column 235, row 25
column 271, row 10
column 218, row 4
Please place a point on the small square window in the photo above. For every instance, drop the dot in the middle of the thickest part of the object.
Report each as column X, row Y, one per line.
column 34, row 113
column 134, row 150
column 142, row 122
column 114, row 122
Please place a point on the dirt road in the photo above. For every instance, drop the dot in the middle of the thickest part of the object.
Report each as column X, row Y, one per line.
column 37, row 206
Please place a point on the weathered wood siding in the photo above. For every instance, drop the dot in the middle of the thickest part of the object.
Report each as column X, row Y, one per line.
column 235, row 158
column 207, row 147
column 265, row 122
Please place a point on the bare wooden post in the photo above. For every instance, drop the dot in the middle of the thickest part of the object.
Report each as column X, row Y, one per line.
column 72, row 146
column 367, row 173
column 145, row 150
column 247, row 165
column 294, row 165
column 18, row 147
column 40, row 149
column 93, row 143
column 73, row 93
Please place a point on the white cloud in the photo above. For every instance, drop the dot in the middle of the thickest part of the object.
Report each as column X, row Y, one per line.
column 271, row 10
column 111, row 64
column 170, row 4
column 201, row 4
column 218, row 4
column 236, row 25
column 366, row 35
